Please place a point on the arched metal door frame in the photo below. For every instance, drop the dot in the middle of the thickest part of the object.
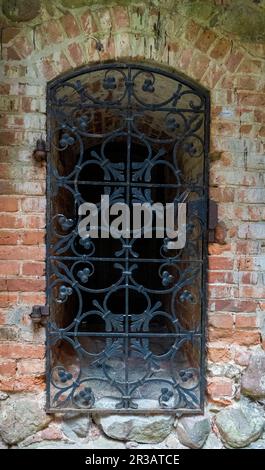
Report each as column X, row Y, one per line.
column 75, row 390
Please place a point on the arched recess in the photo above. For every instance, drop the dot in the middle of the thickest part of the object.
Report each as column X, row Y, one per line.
column 126, row 329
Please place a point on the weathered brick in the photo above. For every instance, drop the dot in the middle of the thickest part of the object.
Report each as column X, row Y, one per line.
column 30, row 367
column 222, row 321
column 35, row 253
column 24, row 285
column 220, row 263
column 219, row 353
column 220, row 389
column 8, row 367
column 22, row 350
column 48, row 33
column 33, row 269
column 10, row 268
column 8, row 299
column 205, row 40
column 215, row 277
column 24, row 384
column 251, row 99
column 11, row 221
column 246, row 321
column 76, row 54
column 33, row 237
column 8, row 333
column 199, row 65
column 8, row 237
column 70, row 25
column 121, row 17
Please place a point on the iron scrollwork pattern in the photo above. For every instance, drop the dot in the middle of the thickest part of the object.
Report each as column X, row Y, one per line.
column 127, row 315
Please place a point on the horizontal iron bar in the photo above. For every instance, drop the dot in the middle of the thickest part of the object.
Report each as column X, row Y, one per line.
column 146, row 411
column 129, row 183
column 127, row 335
column 165, row 261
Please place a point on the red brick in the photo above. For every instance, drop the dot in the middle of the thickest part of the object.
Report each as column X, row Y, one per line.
column 220, row 334
column 35, row 221
column 8, row 204
column 185, row 58
column 246, row 337
column 24, row 285
column 49, row 33
column 70, row 25
column 76, row 54
column 33, row 237
column 9, row 268
column 88, row 23
column 248, row 278
column 220, row 233
column 22, row 252
column 8, row 299
column 259, row 116
column 33, row 204
column 7, row 367
column 30, row 367
column 245, row 129
column 233, row 61
column 199, row 65
column 220, row 389
column 217, row 249
column 245, row 263
column 246, row 321
column 24, row 384
column 192, row 30
column 11, row 221
column 222, row 194
column 221, row 320
column 251, row 66
column 33, row 269
column 213, row 76
column 253, row 292
column 247, row 83
column 215, row 277
column 261, row 132
column 33, row 298
column 221, row 49
column 205, row 40
column 11, row 53
column 242, row 356
column 9, row 238
column 8, row 34
column 23, row 47
column 30, row 188
column 234, row 305
column 222, row 291
column 22, row 350
column 218, row 353
column 29, row 104
column 63, row 64
column 121, row 17
column 251, row 99
column 49, row 69
column 220, row 262
column 247, row 306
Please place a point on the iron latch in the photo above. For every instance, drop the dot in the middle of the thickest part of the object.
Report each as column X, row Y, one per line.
column 212, row 219
column 40, row 314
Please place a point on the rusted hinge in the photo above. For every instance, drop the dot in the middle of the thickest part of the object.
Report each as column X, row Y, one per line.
column 212, row 219
column 40, row 314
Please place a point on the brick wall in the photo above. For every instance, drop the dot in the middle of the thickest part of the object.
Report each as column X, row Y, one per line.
column 60, row 39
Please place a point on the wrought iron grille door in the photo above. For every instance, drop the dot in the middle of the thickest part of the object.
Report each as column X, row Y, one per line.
column 126, row 327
